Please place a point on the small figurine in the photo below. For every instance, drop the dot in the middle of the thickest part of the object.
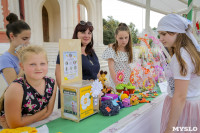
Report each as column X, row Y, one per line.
column 103, row 77
column 126, row 102
column 143, row 100
column 134, row 100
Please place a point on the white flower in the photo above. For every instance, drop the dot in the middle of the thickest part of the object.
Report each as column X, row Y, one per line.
column 96, row 88
column 85, row 101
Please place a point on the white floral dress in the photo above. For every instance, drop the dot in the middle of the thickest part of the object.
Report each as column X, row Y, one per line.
column 120, row 63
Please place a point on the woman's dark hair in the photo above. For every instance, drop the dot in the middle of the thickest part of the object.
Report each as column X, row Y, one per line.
column 15, row 25
column 82, row 27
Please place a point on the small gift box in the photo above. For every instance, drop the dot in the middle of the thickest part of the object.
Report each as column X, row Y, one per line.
column 113, row 97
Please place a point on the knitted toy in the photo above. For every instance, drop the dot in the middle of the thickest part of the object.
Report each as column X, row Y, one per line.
column 108, row 109
column 103, row 77
column 103, row 81
column 126, row 102
column 134, row 100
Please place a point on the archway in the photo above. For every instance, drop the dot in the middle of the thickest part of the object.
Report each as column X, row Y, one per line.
column 53, row 17
column 45, row 23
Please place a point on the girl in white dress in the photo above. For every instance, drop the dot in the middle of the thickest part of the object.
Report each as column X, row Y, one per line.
column 119, row 55
column 181, row 110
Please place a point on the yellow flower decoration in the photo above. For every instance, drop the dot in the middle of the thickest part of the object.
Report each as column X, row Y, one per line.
column 149, row 86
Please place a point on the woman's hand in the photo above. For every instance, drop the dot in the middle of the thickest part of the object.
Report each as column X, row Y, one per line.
column 3, row 122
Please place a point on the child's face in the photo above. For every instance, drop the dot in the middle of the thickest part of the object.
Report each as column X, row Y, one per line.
column 167, row 39
column 35, row 66
column 85, row 37
column 22, row 38
column 122, row 38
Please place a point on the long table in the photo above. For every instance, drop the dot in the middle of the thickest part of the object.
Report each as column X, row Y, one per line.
column 143, row 118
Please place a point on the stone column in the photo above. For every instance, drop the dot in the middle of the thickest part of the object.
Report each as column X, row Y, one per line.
column 67, row 18
column 99, row 23
column 82, row 13
column 33, row 16
column 13, row 7
column 147, row 18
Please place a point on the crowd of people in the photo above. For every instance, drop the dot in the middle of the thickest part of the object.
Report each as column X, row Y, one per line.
column 24, row 68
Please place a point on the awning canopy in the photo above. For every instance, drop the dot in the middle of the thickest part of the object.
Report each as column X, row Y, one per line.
column 168, row 6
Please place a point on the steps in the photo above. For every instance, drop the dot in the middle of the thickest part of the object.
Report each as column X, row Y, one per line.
column 52, row 49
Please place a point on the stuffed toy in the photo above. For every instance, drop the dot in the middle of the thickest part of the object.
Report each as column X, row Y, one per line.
column 108, row 109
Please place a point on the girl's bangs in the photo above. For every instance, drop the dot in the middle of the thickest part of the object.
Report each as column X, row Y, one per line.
column 83, row 28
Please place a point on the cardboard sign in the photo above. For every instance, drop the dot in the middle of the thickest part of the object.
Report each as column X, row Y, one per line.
column 76, row 99
column 70, row 60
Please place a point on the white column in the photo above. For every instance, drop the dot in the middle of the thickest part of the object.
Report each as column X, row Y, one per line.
column 194, row 17
column 194, row 24
column 13, row 7
column 75, row 13
column 99, row 23
column 147, row 19
column 82, row 13
column 1, row 17
column 67, row 18
column 33, row 16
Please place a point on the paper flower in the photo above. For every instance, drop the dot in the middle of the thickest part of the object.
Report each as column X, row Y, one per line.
column 85, row 101
column 148, row 83
column 120, row 76
column 132, row 77
column 96, row 88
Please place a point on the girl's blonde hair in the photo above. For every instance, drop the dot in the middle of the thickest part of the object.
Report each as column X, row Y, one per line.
column 128, row 47
column 31, row 49
column 184, row 41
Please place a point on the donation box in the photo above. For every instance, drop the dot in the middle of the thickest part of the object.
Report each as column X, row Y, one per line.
column 76, row 100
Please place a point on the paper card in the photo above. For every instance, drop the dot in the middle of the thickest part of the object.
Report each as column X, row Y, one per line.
column 70, row 60
column 86, row 102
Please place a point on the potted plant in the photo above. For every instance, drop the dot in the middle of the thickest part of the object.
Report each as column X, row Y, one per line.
column 130, row 88
column 120, row 88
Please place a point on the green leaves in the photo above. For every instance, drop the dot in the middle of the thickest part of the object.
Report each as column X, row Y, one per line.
column 109, row 27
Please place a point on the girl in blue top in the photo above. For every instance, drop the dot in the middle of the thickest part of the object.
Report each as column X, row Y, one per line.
column 18, row 32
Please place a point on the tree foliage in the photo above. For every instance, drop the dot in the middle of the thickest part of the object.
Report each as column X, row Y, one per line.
column 109, row 27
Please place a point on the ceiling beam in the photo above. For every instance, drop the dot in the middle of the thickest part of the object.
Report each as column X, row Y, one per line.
column 132, row 2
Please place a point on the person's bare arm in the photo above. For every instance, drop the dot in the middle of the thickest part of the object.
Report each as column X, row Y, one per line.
column 58, row 75
column 10, row 74
column 177, row 103
column 50, row 105
column 98, row 75
column 12, row 105
column 112, row 71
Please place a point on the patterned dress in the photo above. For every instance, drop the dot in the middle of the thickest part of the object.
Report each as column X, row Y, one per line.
column 120, row 63
column 32, row 100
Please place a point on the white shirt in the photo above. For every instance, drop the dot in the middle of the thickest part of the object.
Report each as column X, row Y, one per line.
column 194, row 85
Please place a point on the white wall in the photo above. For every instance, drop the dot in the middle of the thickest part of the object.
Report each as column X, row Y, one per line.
column 4, row 47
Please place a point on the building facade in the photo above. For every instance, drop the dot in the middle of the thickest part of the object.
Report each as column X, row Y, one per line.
column 51, row 20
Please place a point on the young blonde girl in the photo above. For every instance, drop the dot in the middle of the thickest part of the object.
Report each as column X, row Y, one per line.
column 119, row 55
column 30, row 98
column 182, row 105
